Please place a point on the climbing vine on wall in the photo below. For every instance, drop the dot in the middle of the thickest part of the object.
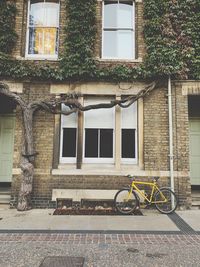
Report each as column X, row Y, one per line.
column 171, row 36
column 80, row 32
column 8, row 37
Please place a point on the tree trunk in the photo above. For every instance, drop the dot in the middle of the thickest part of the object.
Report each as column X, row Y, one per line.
column 24, row 198
column 27, row 167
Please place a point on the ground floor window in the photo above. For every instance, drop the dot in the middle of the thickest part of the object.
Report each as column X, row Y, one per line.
column 99, row 137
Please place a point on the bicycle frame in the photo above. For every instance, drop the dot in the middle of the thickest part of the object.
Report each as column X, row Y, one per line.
column 153, row 187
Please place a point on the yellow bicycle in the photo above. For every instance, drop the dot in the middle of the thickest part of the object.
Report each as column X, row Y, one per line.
column 127, row 199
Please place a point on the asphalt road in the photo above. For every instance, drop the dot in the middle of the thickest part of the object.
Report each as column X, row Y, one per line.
column 101, row 250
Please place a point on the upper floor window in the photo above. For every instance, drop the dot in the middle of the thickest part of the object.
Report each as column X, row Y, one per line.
column 118, row 30
column 43, row 27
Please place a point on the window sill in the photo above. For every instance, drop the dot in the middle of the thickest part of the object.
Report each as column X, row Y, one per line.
column 95, row 169
column 109, row 60
column 35, row 58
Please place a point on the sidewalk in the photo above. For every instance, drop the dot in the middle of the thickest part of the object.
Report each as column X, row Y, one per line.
column 151, row 221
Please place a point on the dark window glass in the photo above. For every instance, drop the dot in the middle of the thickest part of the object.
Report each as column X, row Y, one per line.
column 106, row 143
column 69, row 142
column 128, row 143
column 194, row 106
column 91, row 143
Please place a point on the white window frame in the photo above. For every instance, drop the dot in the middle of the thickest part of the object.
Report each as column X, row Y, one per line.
column 100, row 160
column 131, row 160
column 102, row 45
column 35, row 56
column 67, row 159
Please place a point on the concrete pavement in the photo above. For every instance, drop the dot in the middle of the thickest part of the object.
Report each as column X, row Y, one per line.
column 43, row 219
column 27, row 238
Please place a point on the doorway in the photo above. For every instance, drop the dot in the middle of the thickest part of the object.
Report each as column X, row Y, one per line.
column 194, row 133
column 7, row 124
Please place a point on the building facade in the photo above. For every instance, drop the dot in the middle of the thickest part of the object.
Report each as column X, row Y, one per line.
column 96, row 149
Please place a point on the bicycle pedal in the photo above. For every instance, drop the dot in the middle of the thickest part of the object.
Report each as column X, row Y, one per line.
column 143, row 206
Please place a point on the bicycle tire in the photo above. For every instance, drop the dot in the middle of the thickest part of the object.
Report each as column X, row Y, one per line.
column 166, row 207
column 123, row 205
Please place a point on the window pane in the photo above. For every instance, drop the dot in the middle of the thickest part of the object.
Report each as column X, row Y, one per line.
column 129, row 116
column 43, row 41
column 128, row 143
column 69, row 121
column 118, row 44
column 44, row 14
column 69, row 142
column 125, row 44
column 118, row 15
column 125, row 15
column 106, row 143
column 91, row 143
column 99, row 118
column 110, row 14
column 110, row 44
column 36, row 17
column 52, row 14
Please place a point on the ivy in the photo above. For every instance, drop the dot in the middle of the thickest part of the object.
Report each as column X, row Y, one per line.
column 170, row 32
column 8, row 37
column 80, row 32
column 171, row 37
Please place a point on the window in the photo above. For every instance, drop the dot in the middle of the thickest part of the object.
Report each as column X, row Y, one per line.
column 99, row 135
column 118, row 30
column 68, row 137
column 129, row 134
column 43, row 27
column 99, row 132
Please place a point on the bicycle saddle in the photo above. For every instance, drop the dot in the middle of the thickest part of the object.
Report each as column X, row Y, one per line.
column 156, row 178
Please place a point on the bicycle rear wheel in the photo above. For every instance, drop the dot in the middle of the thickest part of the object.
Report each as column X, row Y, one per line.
column 164, row 198
column 124, row 202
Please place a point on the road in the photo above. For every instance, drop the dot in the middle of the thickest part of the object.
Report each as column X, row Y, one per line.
column 101, row 250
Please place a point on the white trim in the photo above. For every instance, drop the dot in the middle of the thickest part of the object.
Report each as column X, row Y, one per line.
column 41, row 57
column 111, row 171
column 38, row 56
column 131, row 29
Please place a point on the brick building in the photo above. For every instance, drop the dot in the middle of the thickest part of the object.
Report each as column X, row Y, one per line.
column 95, row 149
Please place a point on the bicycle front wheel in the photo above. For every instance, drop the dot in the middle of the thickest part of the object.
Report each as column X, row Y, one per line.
column 165, row 200
column 125, row 202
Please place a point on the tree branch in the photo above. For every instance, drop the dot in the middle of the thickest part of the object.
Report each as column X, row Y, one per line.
column 4, row 90
column 71, row 101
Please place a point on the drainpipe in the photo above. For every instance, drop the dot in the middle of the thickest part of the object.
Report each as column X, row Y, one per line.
column 171, row 155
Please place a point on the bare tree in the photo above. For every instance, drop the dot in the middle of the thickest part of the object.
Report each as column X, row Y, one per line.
column 52, row 105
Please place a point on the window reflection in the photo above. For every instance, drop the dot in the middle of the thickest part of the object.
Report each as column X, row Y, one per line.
column 43, row 27
column 118, row 30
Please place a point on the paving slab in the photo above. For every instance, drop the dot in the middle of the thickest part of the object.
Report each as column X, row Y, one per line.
column 191, row 217
column 42, row 219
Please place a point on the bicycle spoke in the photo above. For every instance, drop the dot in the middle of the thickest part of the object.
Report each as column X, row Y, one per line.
column 165, row 200
column 125, row 202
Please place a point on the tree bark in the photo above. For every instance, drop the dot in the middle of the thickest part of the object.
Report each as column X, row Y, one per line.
column 24, row 197
column 27, row 167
